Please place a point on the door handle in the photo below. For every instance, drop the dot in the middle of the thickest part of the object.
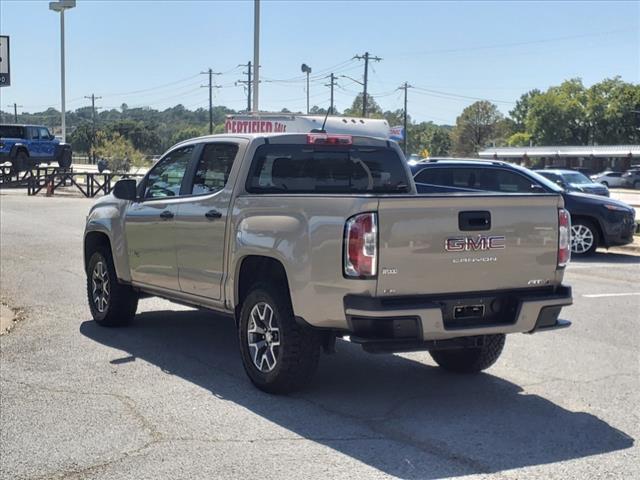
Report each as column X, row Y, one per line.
column 166, row 215
column 213, row 214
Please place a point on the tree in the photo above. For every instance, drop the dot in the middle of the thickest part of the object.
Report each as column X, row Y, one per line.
column 80, row 138
column 521, row 110
column 475, row 128
column 558, row 116
column 519, row 139
column 611, row 110
column 373, row 109
column 118, row 151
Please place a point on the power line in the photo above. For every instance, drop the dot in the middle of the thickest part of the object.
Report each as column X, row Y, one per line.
column 211, row 73
column 247, row 82
column 428, row 91
column 93, row 125
column 366, row 57
column 405, row 87
column 514, row 44
column 15, row 111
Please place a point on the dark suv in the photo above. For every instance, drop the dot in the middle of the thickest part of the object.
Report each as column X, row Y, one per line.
column 596, row 221
column 26, row 146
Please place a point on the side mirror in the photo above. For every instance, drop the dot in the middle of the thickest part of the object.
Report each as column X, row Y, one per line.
column 51, row 137
column 125, row 189
column 537, row 188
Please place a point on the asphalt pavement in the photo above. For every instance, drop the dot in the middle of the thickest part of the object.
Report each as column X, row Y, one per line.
column 167, row 397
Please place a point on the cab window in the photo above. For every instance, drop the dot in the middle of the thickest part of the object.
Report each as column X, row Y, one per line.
column 165, row 179
column 44, row 133
column 213, row 168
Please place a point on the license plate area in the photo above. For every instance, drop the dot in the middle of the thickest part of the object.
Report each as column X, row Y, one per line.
column 468, row 311
column 479, row 311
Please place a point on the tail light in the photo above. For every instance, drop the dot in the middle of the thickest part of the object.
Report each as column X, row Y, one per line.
column 361, row 246
column 324, row 139
column 564, row 237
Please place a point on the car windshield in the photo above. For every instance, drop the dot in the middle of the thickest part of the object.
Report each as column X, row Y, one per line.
column 576, row 178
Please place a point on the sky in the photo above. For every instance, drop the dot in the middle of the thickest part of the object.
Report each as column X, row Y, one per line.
column 151, row 53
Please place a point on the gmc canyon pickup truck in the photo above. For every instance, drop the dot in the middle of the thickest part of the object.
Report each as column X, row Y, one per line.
column 305, row 238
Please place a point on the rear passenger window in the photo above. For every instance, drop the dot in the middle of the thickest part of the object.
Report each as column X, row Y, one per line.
column 476, row 179
column 316, row 169
column 213, row 168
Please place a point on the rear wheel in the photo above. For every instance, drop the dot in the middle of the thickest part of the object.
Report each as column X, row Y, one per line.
column 584, row 237
column 278, row 354
column 471, row 359
column 64, row 158
column 112, row 304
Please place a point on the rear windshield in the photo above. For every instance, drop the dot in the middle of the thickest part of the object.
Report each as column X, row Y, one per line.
column 11, row 131
column 321, row 169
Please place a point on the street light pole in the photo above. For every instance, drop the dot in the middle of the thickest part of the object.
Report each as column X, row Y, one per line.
column 256, row 55
column 306, row 69
column 61, row 6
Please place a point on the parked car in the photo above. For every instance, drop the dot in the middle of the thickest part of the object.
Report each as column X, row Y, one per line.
column 302, row 238
column 26, row 146
column 596, row 221
column 573, row 181
column 631, row 178
column 609, row 179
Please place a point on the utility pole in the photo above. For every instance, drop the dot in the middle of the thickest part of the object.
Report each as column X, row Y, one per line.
column 93, row 125
column 306, row 69
column 256, row 55
column 366, row 57
column 15, row 111
column 211, row 86
column 247, row 82
column 331, row 84
column 405, row 87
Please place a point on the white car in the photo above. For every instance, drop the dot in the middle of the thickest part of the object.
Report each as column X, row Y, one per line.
column 610, row 179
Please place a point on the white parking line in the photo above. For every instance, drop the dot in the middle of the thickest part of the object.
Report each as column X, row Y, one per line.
column 598, row 295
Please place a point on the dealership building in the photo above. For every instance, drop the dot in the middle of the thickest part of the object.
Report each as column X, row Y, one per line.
column 594, row 158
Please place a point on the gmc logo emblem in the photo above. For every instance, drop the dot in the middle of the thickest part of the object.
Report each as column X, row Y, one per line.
column 475, row 244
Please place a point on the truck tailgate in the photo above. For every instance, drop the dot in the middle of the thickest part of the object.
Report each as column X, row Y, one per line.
column 427, row 247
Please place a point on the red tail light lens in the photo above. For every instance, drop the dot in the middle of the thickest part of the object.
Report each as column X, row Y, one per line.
column 564, row 237
column 361, row 246
column 324, row 139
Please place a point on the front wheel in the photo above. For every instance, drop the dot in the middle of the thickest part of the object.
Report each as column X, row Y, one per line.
column 471, row 359
column 112, row 304
column 584, row 237
column 278, row 354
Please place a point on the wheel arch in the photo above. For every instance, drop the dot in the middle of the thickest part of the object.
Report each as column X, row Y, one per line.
column 596, row 222
column 93, row 241
column 252, row 269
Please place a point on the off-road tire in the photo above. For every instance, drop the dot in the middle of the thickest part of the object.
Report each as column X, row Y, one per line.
column 64, row 157
column 471, row 359
column 20, row 162
column 582, row 224
column 299, row 350
column 123, row 300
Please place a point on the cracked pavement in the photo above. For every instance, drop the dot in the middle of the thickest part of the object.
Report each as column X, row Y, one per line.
column 167, row 397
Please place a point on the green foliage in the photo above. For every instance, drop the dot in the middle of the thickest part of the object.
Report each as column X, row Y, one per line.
column 478, row 125
column 427, row 135
column 373, row 109
column 119, row 152
column 519, row 139
column 520, row 111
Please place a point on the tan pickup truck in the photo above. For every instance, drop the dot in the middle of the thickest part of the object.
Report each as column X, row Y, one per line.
column 305, row 238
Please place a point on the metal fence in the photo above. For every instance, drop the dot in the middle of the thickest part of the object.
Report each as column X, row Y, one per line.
column 50, row 179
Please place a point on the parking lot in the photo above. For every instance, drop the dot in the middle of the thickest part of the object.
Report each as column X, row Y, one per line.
column 167, row 397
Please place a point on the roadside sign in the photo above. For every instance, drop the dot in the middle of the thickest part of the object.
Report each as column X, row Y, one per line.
column 5, row 70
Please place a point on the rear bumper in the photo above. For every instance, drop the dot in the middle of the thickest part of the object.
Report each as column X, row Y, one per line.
column 429, row 318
